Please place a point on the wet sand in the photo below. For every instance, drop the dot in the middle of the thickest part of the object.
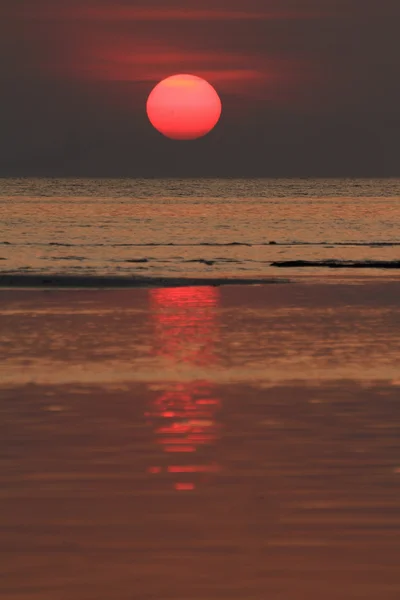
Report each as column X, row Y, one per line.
column 200, row 442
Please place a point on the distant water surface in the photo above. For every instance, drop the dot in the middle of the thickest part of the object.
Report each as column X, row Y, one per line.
column 210, row 227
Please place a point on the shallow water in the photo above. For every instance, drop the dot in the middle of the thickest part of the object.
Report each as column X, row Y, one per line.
column 213, row 228
column 201, row 442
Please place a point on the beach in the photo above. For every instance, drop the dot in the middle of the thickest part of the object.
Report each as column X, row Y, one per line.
column 202, row 441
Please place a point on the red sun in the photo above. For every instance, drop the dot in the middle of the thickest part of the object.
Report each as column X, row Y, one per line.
column 183, row 107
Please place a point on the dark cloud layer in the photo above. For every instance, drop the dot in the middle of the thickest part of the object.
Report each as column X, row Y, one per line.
column 309, row 88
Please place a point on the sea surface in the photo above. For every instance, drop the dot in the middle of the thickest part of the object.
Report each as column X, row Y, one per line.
column 199, row 442
column 206, row 228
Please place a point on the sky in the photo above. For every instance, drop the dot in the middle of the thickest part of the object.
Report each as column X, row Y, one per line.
column 308, row 87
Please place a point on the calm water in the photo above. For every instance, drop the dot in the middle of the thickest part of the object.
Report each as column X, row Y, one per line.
column 200, row 443
column 215, row 228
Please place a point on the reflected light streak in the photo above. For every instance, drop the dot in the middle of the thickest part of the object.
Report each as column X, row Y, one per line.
column 183, row 415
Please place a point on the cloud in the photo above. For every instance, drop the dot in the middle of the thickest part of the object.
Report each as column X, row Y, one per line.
column 43, row 10
column 210, row 10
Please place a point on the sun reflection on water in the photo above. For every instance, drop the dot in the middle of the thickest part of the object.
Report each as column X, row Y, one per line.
column 183, row 414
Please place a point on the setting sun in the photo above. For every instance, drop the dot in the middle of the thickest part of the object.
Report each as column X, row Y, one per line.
column 184, row 107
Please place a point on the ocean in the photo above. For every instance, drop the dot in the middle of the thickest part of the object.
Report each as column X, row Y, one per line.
column 209, row 228
column 187, row 440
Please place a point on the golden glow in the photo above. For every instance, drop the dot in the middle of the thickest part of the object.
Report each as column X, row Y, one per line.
column 183, row 415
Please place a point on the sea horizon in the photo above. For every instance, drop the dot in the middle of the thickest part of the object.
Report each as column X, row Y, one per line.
column 198, row 228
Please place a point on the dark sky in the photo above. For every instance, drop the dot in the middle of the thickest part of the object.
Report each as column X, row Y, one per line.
column 309, row 87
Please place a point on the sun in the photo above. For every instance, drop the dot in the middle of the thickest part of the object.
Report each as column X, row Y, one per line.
column 184, row 107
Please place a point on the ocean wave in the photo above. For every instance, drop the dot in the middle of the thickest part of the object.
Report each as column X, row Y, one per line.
column 63, row 244
column 345, row 244
column 340, row 264
column 371, row 244
column 80, row 258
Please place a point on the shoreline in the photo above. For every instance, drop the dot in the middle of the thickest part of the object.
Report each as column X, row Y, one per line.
column 112, row 282
column 96, row 281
